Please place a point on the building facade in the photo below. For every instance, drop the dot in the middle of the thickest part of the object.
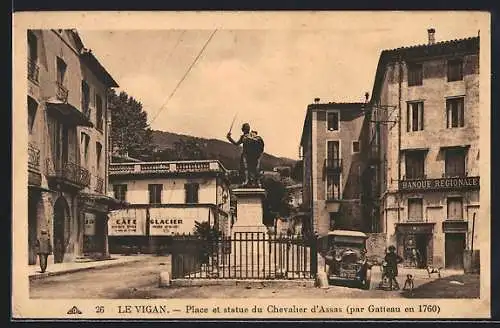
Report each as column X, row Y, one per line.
column 166, row 199
column 425, row 109
column 331, row 148
column 68, row 127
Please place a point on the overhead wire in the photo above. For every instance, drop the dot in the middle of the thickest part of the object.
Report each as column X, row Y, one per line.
column 183, row 77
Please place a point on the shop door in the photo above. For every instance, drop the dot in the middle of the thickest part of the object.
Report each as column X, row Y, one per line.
column 454, row 250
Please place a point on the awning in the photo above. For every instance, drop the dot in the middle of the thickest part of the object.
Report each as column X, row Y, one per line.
column 68, row 113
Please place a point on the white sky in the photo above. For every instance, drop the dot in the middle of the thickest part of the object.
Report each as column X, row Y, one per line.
column 267, row 76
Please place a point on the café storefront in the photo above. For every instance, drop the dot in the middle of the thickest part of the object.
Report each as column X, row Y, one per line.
column 149, row 229
column 436, row 221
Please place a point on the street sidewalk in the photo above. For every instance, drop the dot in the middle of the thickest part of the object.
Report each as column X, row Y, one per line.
column 70, row 267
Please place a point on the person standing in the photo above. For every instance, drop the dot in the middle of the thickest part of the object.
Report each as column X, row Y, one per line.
column 392, row 259
column 44, row 249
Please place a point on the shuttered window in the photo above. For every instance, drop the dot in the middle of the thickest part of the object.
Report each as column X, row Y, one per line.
column 191, row 192
column 415, row 209
column 455, row 206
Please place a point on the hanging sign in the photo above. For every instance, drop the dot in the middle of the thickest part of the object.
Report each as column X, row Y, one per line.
column 127, row 222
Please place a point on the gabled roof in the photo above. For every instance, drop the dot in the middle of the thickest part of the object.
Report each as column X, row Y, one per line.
column 422, row 52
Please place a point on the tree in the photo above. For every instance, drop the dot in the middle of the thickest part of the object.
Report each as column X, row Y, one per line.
column 297, row 171
column 277, row 200
column 130, row 132
column 209, row 237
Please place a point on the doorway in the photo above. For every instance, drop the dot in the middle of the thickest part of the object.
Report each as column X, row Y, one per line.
column 33, row 198
column 454, row 250
column 421, row 244
column 61, row 228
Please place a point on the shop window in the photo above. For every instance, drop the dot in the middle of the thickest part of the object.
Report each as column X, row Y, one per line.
column 455, row 113
column 120, row 191
column 415, row 164
column 332, row 121
column 415, row 116
column 455, row 206
column 455, row 70
column 415, row 74
column 455, row 162
column 192, row 190
column 415, row 209
column 155, row 193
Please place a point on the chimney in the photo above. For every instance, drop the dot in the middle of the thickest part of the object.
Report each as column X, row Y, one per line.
column 316, row 100
column 430, row 33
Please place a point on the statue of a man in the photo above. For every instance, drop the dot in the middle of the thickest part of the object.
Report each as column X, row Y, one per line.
column 253, row 148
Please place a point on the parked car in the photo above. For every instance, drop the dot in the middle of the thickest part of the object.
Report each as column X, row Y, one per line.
column 345, row 256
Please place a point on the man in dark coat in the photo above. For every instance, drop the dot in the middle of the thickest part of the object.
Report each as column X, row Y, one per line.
column 43, row 249
column 392, row 260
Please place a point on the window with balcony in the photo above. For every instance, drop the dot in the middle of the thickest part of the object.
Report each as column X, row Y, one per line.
column 333, row 160
column 455, row 112
column 192, row 191
column 415, row 116
column 455, row 206
column 61, row 70
column 455, row 70
column 85, row 98
column 415, row 75
column 332, row 121
column 32, row 57
column 120, row 191
column 98, row 150
column 415, row 209
column 415, row 164
column 99, row 112
column 32, row 108
column 155, row 193
column 455, row 162
column 84, row 141
column 333, row 187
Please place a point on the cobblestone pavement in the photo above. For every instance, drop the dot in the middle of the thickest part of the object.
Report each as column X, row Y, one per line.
column 140, row 280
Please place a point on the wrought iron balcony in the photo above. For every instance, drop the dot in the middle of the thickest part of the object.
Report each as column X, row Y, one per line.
column 68, row 173
column 333, row 164
column 99, row 185
column 61, row 92
column 33, row 158
column 33, row 70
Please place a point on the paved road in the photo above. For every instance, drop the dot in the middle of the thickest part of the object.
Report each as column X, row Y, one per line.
column 140, row 280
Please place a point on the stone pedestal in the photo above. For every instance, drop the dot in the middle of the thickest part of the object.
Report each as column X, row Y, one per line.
column 249, row 210
column 249, row 234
